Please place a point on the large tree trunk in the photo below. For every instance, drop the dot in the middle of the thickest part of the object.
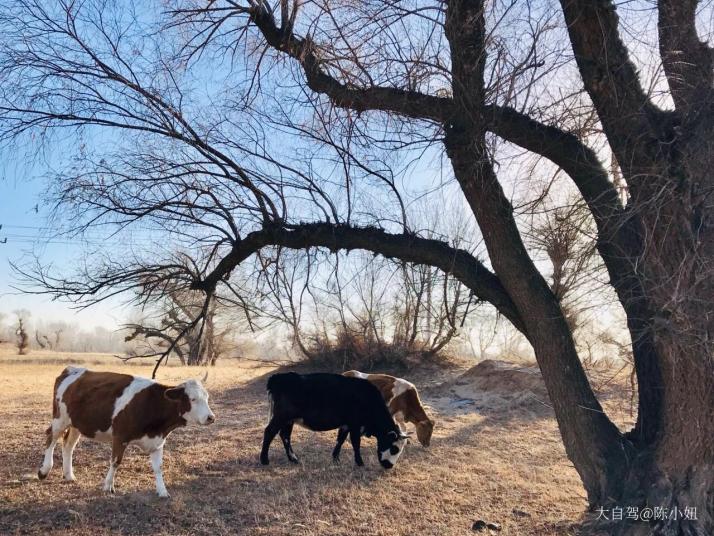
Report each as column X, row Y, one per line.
column 676, row 472
column 201, row 339
column 667, row 160
column 595, row 446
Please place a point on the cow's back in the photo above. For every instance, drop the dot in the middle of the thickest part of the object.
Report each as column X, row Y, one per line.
column 90, row 398
column 338, row 390
column 326, row 401
column 389, row 386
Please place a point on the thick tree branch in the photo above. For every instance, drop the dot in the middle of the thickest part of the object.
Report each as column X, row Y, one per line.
column 563, row 149
column 407, row 103
column 687, row 61
column 620, row 241
column 610, row 78
column 405, row 247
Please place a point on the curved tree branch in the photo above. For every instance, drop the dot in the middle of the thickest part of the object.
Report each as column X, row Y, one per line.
column 406, row 247
column 408, row 103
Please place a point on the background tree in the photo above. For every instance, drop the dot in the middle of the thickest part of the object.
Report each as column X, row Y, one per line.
column 22, row 339
column 365, row 314
column 320, row 135
column 177, row 328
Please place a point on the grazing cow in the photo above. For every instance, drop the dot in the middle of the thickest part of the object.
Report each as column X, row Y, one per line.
column 323, row 402
column 120, row 409
column 403, row 402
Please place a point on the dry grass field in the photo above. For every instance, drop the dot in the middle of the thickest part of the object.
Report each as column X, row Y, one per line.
column 495, row 456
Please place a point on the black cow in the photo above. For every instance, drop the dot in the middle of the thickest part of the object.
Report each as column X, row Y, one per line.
column 324, row 402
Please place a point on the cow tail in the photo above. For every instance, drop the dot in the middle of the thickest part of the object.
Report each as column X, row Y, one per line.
column 272, row 404
column 281, row 383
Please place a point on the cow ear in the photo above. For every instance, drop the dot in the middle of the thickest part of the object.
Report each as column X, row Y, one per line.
column 174, row 393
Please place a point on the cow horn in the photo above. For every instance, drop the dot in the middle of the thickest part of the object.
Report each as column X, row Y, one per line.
column 403, row 435
column 205, row 377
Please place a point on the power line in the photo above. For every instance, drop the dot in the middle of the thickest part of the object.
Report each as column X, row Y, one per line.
column 21, row 234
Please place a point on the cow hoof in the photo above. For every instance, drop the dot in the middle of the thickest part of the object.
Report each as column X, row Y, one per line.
column 336, row 460
column 69, row 478
column 293, row 459
column 359, row 464
column 264, row 461
column 41, row 475
column 164, row 495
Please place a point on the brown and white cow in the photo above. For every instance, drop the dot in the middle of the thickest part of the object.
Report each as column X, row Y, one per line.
column 120, row 409
column 403, row 401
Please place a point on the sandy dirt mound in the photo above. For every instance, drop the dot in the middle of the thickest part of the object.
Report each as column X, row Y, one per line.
column 493, row 384
column 506, row 377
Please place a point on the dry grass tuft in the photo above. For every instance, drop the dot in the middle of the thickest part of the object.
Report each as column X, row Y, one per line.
column 354, row 349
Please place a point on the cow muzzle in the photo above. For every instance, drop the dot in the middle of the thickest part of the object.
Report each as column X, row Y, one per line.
column 386, row 464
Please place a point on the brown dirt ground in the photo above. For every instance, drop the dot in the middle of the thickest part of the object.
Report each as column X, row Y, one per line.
column 501, row 462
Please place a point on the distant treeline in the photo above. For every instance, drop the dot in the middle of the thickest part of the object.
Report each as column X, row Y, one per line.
column 60, row 336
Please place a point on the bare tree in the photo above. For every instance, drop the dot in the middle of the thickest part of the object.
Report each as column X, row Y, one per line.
column 564, row 234
column 41, row 340
column 22, row 340
column 365, row 315
column 314, row 145
column 57, row 332
column 194, row 343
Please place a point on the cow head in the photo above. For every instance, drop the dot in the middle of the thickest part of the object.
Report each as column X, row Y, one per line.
column 424, row 429
column 390, row 447
column 194, row 402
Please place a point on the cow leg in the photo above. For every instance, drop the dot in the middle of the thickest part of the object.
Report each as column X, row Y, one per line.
column 71, row 437
column 342, row 434
column 118, row 448
column 54, row 432
column 355, row 437
column 285, row 433
column 157, row 459
column 270, row 432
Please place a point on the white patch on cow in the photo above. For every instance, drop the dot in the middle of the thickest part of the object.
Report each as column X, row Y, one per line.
column 62, row 421
column 150, row 444
column 157, row 458
column 73, row 376
column 200, row 411
column 109, row 479
column 358, row 374
column 386, row 455
column 68, row 444
column 130, row 391
column 400, row 387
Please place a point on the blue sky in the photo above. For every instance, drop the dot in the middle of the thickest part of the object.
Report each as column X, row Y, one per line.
column 26, row 231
